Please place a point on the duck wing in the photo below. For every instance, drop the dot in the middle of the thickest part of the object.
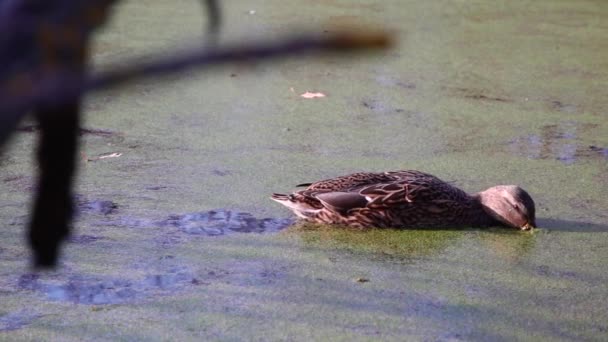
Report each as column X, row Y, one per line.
column 341, row 202
column 400, row 193
column 403, row 191
column 352, row 181
column 380, row 195
column 407, row 188
column 429, row 194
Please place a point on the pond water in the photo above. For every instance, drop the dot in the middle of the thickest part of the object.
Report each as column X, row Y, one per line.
column 176, row 238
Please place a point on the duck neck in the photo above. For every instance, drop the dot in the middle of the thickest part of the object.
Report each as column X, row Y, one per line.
column 479, row 216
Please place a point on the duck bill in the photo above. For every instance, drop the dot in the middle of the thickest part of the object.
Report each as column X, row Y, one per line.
column 527, row 226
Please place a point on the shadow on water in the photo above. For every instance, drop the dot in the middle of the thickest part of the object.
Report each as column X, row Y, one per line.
column 221, row 222
column 90, row 289
column 17, row 320
column 95, row 290
column 205, row 223
column 571, row 226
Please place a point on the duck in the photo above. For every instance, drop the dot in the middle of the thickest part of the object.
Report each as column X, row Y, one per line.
column 408, row 199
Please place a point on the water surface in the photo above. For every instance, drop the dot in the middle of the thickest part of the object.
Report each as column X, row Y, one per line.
column 176, row 237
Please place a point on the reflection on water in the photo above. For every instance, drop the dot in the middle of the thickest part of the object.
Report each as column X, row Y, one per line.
column 383, row 243
column 509, row 245
column 559, row 141
column 407, row 244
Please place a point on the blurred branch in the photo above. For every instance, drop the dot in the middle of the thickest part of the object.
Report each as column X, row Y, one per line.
column 215, row 21
column 63, row 87
column 343, row 42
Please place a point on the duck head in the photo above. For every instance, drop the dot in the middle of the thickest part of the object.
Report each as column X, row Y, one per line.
column 510, row 205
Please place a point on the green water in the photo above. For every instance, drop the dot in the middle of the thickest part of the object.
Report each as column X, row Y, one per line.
column 475, row 92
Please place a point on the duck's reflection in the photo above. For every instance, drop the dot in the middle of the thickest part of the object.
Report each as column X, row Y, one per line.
column 412, row 244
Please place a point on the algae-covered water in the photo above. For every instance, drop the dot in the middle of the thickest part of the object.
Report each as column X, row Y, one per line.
column 176, row 238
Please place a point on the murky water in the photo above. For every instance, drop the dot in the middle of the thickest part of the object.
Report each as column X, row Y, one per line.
column 176, row 236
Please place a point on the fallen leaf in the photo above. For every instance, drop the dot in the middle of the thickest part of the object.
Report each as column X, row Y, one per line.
column 309, row 95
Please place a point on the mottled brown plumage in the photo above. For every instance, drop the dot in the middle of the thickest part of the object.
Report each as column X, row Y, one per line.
column 408, row 199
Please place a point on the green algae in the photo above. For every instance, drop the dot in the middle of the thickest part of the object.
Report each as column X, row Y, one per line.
column 378, row 243
column 475, row 93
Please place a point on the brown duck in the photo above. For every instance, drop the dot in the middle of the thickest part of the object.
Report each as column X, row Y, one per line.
column 408, row 199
